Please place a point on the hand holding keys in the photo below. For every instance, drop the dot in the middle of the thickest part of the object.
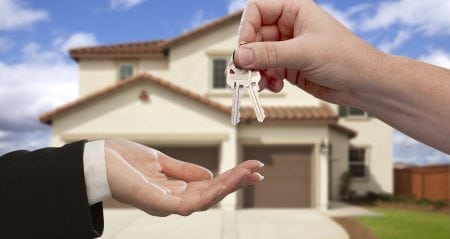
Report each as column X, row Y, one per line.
column 240, row 81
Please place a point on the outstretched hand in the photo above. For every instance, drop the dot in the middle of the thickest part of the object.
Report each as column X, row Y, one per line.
column 160, row 185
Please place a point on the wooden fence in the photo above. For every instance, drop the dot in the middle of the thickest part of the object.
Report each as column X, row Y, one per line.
column 429, row 182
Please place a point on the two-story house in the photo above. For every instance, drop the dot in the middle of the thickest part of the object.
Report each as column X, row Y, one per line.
column 171, row 94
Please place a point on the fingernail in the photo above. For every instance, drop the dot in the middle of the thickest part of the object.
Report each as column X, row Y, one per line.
column 260, row 177
column 261, row 164
column 245, row 56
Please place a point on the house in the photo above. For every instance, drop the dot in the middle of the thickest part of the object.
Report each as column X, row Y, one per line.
column 171, row 94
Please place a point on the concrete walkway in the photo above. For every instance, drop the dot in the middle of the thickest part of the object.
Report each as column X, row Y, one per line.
column 223, row 224
column 341, row 209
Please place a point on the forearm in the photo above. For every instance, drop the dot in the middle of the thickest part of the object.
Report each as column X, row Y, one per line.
column 411, row 96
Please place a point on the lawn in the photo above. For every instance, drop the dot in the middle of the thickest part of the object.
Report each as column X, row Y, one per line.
column 396, row 223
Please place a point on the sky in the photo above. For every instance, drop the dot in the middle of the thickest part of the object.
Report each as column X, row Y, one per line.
column 36, row 74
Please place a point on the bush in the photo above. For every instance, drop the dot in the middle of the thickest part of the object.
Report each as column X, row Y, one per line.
column 345, row 191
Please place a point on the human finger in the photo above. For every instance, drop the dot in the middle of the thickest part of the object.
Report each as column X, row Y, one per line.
column 271, row 54
column 236, row 178
column 182, row 170
column 256, row 14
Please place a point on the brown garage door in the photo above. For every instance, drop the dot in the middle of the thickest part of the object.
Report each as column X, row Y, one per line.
column 287, row 174
column 207, row 157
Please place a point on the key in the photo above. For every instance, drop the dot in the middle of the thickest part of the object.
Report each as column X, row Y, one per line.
column 253, row 90
column 241, row 81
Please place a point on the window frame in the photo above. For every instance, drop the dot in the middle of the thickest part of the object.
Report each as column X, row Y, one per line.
column 364, row 163
column 211, row 73
column 119, row 70
column 348, row 114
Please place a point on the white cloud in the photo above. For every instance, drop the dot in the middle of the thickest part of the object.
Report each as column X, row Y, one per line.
column 430, row 17
column 402, row 37
column 437, row 57
column 411, row 151
column 15, row 14
column 236, row 5
column 124, row 4
column 42, row 80
column 79, row 39
column 347, row 17
column 5, row 44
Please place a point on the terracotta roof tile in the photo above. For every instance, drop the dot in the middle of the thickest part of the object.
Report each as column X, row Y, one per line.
column 146, row 48
column 291, row 113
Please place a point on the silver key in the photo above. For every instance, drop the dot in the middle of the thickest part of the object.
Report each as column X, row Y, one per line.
column 240, row 81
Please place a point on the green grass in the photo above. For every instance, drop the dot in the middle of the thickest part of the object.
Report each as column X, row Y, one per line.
column 398, row 224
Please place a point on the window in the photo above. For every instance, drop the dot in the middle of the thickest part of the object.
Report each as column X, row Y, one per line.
column 219, row 78
column 345, row 111
column 125, row 71
column 357, row 163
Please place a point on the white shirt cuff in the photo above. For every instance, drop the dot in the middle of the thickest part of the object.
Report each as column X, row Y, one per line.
column 97, row 187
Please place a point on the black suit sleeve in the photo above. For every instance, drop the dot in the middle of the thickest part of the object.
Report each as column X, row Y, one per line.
column 43, row 195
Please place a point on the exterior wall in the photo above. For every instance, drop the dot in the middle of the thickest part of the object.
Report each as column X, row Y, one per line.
column 338, row 161
column 158, row 67
column 376, row 137
column 122, row 115
column 96, row 74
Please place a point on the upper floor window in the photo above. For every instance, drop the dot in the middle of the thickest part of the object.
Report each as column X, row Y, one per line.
column 357, row 163
column 218, row 67
column 345, row 111
column 125, row 71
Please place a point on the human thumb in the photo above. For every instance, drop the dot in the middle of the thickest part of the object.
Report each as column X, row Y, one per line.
column 267, row 55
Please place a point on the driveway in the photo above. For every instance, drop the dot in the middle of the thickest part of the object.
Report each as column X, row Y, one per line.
column 223, row 224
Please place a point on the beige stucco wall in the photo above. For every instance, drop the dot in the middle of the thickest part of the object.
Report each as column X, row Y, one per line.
column 338, row 160
column 158, row 67
column 376, row 136
column 122, row 114
column 96, row 74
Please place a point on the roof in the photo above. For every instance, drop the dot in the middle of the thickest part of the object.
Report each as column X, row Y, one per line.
column 155, row 48
column 322, row 113
column 134, row 49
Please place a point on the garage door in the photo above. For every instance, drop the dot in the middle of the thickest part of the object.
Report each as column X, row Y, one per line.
column 287, row 174
column 207, row 157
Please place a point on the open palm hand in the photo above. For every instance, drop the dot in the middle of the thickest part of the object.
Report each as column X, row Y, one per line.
column 160, row 185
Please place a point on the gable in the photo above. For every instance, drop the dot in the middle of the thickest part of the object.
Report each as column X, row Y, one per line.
column 123, row 113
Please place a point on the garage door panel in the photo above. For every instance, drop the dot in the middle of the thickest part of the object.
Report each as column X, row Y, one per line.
column 287, row 174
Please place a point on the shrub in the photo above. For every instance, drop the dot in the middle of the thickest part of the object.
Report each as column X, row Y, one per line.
column 345, row 191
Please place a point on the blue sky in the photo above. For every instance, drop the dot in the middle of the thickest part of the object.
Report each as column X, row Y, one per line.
column 36, row 74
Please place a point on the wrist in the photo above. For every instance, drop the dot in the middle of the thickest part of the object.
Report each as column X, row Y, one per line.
column 374, row 80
